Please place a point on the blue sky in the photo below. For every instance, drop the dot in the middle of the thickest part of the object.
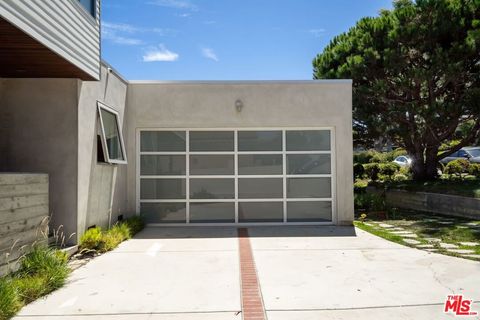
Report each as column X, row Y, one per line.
column 224, row 39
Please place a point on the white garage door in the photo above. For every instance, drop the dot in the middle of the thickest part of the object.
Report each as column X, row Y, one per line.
column 228, row 176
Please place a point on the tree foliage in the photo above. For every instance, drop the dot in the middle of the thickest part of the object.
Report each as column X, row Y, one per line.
column 415, row 72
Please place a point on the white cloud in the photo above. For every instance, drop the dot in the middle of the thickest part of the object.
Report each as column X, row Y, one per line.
column 113, row 36
column 317, row 32
column 123, row 27
column 183, row 15
column 122, row 33
column 160, row 53
column 209, row 54
column 177, row 4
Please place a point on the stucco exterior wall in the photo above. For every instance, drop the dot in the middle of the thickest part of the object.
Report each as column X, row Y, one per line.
column 39, row 120
column 101, row 186
column 50, row 126
column 266, row 104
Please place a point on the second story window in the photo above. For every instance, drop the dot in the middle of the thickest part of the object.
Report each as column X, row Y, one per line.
column 89, row 5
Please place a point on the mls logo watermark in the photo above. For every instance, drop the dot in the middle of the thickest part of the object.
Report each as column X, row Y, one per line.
column 459, row 306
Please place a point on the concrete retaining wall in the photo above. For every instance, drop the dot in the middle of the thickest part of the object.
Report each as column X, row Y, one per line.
column 434, row 202
column 23, row 215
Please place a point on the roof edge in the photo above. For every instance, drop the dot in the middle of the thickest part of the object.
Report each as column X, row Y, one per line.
column 321, row 81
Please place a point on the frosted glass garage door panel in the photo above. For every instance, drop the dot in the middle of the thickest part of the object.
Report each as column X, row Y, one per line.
column 211, row 141
column 212, row 188
column 212, row 212
column 162, row 189
column 212, row 164
column 309, row 211
column 162, row 165
column 308, row 140
column 309, row 188
column 258, row 188
column 260, row 212
column 309, row 164
column 162, row 141
column 164, row 212
column 260, row 164
column 260, row 141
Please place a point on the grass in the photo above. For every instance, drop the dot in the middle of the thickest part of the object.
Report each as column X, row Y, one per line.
column 41, row 271
column 95, row 240
column 448, row 229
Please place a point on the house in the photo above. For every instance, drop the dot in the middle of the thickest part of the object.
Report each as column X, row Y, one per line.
column 178, row 153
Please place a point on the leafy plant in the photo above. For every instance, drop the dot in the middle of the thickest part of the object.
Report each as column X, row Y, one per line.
column 474, row 169
column 358, row 170
column 457, row 167
column 372, row 170
column 369, row 202
column 10, row 301
column 91, row 239
column 135, row 224
column 388, row 169
column 406, row 85
column 48, row 263
column 399, row 177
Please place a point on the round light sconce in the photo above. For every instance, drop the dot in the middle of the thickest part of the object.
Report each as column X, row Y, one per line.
column 238, row 105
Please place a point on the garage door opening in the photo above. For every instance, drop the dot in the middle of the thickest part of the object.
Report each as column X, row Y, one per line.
column 235, row 176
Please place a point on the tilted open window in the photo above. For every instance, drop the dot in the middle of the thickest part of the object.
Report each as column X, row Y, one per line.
column 111, row 135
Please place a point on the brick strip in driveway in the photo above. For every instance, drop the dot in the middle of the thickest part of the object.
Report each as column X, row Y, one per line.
column 252, row 303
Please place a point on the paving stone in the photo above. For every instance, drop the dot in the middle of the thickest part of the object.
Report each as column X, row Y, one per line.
column 448, row 245
column 471, row 224
column 385, row 225
column 430, row 220
column 462, row 227
column 411, row 241
column 397, row 229
column 431, row 250
column 445, row 222
column 410, row 235
column 475, row 256
column 470, row 244
column 400, row 233
column 425, row 246
column 461, row 251
column 433, row 239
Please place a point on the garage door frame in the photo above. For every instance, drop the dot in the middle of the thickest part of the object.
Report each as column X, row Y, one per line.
column 236, row 200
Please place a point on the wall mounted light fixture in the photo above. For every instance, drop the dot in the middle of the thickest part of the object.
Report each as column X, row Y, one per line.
column 238, row 105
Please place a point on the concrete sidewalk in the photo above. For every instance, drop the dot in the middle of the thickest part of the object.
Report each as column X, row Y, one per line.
column 304, row 273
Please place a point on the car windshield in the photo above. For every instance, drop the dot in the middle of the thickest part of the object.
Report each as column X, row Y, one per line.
column 474, row 152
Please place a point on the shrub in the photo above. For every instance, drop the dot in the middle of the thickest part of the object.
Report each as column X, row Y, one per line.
column 48, row 263
column 370, row 201
column 135, row 224
column 91, row 239
column 457, row 167
column 358, row 170
column 360, row 186
column 372, row 170
column 363, row 157
column 388, row 169
column 10, row 301
column 474, row 169
column 31, row 288
column 399, row 177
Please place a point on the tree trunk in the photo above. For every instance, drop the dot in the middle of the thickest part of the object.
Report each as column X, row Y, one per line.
column 424, row 166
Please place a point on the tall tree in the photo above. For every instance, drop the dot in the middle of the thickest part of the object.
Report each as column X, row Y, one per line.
column 415, row 72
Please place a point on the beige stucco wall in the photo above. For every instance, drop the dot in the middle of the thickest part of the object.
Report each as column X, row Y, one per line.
column 266, row 104
column 101, row 186
column 50, row 126
column 39, row 121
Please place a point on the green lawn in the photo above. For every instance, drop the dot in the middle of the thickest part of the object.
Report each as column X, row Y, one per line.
column 429, row 230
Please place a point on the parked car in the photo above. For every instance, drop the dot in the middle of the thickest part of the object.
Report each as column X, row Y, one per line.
column 403, row 161
column 472, row 154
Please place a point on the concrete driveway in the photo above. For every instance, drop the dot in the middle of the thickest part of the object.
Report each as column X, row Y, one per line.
column 300, row 272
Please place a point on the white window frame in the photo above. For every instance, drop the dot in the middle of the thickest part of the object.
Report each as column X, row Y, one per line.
column 100, row 106
column 236, row 176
